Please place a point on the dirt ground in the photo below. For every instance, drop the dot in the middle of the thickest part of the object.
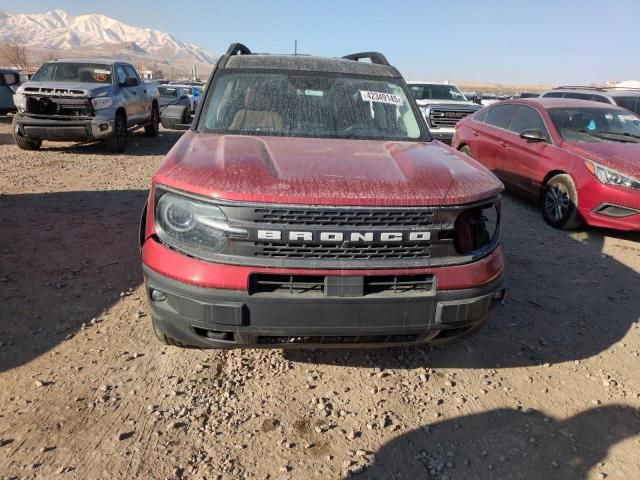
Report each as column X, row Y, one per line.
column 550, row 389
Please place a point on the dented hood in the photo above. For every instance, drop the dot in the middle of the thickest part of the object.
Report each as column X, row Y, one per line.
column 316, row 171
column 623, row 157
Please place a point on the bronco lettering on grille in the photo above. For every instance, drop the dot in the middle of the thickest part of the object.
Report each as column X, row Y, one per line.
column 355, row 237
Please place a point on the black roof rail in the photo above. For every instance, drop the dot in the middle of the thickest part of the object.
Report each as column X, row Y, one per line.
column 581, row 87
column 238, row 49
column 375, row 57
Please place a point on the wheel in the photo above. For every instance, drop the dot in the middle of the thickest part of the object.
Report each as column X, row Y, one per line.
column 117, row 142
column 466, row 150
column 24, row 143
column 162, row 337
column 559, row 203
column 153, row 128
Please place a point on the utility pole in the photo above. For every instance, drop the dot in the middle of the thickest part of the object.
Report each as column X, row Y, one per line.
column 295, row 47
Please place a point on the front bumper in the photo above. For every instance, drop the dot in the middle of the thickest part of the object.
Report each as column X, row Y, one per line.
column 221, row 318
column 608, row 206
column 445, row 135
column 62, row 129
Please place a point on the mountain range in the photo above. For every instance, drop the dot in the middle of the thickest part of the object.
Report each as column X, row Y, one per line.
column 58, row 31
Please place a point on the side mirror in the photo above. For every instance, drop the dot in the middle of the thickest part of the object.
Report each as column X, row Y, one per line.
column 130, row 82
column 533, row 135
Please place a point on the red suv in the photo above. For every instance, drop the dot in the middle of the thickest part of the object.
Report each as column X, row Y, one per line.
column 580, row 159
column 307, row 204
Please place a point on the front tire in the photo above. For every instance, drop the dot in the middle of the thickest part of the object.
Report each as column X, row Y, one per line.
column 24, row 143
column 117, row 142
column 559, row 203
column 153, row 128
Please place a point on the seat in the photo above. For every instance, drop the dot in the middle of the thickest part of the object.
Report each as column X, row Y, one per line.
column 257, row 113
column 85, row 76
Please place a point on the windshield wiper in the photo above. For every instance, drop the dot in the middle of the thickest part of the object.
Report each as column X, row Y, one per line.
column 602, row 135
column 624, row 134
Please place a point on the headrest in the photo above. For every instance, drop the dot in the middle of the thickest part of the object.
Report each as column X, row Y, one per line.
column 256, row 99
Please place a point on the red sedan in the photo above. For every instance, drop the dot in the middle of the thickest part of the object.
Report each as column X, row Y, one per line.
column 579, row 159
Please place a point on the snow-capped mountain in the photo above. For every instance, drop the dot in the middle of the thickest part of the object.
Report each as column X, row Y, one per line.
column 58, row 30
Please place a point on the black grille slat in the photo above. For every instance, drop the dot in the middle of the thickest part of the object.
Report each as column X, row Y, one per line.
column 340, row 252
column 344, row 218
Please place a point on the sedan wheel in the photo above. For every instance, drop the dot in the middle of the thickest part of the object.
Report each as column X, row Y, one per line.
column 559, row 202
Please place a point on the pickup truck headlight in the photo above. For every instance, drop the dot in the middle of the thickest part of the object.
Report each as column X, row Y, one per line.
column 100, row 103
column 20, row 101
column 194, row 227
column 611, row 177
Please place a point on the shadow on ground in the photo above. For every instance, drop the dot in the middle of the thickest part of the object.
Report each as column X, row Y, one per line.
column 566, row 300
column 510, row 444
column 64, row 258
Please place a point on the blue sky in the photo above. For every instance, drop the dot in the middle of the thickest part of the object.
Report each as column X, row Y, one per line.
column 555, row 42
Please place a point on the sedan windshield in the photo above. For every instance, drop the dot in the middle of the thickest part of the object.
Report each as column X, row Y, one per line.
column 436, row 92
column 309, row 105
column 169, row 92
column 73, row 72
column 596, row 124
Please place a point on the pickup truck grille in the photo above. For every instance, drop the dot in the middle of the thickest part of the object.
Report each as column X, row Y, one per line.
column 445, row 118
column 59, row 106
column 343, row 217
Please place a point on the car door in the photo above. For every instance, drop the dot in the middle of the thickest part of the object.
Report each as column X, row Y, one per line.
column 6, row 93
column 488, row 137
column 130, row 95
column 144, row 105
column 523, row 163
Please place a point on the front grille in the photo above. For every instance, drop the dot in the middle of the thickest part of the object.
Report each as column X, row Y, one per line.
column 341, row 252
column 344, row 217
column 63, row 106
column 318, row 285
column 336, row 339
column 444, row 118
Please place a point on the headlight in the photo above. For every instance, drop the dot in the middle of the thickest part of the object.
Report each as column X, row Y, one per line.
column 20, row 101
column 476, row 228
column 611, row 177
column 100, row 103
column 197, row 228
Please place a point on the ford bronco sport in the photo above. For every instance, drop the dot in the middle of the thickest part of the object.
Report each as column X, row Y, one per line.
column 308, row 205
column 84, row 100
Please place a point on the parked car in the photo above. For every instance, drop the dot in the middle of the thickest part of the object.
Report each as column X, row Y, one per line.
column 193, row 92
column 84, row 100
column 578, row 158
column 173, row 95
column 442, row 105
column 10, row 80
column 625, row 97
column 308, row 205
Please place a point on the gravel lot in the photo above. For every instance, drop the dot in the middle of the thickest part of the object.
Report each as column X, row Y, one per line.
column 550, row 389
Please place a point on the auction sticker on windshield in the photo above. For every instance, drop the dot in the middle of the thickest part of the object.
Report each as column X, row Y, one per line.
column 380, row 97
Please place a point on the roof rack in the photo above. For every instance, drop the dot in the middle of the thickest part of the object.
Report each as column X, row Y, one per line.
column 599, row 89
column 238, row 49
column 375, row 57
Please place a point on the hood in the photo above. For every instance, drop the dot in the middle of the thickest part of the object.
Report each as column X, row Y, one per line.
column 623, row 157
column 423, row 103
column 316, row 171
column 89, row 89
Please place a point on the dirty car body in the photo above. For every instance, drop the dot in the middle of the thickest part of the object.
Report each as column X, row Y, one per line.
column 307, row 205
column 80, row 100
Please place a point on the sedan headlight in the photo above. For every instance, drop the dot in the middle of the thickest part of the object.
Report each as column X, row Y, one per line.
column 194, row 227
column 100, row 103
column 609, row 176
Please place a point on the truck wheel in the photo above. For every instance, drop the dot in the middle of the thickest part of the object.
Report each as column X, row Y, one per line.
column 24, row 143
column 559, row 202
column 162, row 337
column 117, row 142
column 153, row 128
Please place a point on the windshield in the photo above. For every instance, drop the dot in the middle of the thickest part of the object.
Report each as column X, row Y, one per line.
column 436, row 92
column 630, row 103
column 596, row 124
column 168, row 92
column 73, row 72
column 309, row 105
